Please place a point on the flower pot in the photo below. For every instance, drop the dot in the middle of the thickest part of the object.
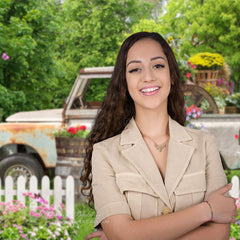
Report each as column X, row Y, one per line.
column 70, row 146
column 70, row 155
column 221, row 110
column 207, row 76
column 230, row 109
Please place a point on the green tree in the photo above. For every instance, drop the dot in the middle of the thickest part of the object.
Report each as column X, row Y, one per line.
column 216, row 23
column 91, row 34
column 27, row 34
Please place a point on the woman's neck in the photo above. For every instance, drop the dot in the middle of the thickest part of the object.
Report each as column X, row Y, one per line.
column 153, row 124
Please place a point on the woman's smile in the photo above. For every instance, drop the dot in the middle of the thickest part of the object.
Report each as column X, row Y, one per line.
column 150, row 90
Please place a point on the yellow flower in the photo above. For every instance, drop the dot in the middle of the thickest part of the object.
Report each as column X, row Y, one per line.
column 207, row 60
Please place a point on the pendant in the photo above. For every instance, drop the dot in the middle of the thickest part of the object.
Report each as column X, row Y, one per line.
column 160, row 147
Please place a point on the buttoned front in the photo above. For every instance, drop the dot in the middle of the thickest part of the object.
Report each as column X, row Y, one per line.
column 126, row 179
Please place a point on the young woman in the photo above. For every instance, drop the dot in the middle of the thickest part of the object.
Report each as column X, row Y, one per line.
column 150, row 177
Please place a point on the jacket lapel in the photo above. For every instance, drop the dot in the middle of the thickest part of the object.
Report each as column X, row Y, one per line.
column 137, row 152
column 179, row 154
column 180, row 151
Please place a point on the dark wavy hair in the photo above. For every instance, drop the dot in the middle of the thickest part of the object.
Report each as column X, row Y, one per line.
column 118, row 107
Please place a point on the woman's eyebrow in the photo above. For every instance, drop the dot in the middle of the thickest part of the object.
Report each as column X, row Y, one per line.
column 154, row 58
column 134, row 61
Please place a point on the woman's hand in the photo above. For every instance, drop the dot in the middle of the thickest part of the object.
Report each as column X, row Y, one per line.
column 96, row 234
column 223, row 207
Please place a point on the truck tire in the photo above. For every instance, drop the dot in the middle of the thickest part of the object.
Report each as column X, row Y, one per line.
column 20, row 164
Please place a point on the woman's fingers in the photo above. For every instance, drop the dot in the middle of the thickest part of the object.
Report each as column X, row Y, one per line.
column 98, row 233
column 224, row 189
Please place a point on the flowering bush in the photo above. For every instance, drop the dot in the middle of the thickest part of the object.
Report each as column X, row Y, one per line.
column 235, row 227
column 215, row 91
column 207, row 61
column 219, row 94
column 80, row 131
column 187, row 69
column 229, row 86
column 192, row 112
column 18, row 221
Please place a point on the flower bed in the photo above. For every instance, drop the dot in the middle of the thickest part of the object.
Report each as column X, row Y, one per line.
column 20, row 221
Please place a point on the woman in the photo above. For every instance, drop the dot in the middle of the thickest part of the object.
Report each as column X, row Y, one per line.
column 152, row 178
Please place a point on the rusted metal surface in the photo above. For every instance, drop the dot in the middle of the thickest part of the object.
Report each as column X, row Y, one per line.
column 37, row 136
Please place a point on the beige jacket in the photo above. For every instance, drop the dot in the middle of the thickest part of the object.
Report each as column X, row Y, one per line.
column 126, row 179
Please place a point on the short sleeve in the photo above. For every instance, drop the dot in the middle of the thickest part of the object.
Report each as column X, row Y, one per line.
column 108, row 200
column 215, row 175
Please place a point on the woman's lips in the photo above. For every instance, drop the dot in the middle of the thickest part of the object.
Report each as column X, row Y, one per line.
column 149, row 91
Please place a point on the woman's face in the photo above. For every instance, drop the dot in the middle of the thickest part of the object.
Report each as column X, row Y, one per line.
column 148, row 75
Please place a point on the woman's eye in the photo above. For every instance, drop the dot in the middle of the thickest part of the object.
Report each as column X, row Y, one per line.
column 134, row 70
column 159, row 66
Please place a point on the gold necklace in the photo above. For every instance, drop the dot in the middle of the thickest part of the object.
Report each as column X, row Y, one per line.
column 159, row 147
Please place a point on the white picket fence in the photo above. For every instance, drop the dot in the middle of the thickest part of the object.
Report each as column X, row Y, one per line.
column 235, row 192
column 58, row 192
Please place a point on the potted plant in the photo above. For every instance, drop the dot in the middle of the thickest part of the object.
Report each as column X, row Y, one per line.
column 70, row 142
column 70, row 145
column 208, row 65
column 233, row 103
column 219, row 94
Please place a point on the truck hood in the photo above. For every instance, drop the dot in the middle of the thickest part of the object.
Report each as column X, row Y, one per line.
column 51, row 115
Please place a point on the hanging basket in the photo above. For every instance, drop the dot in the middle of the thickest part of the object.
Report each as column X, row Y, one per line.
column 207, row 76
column 70, row 147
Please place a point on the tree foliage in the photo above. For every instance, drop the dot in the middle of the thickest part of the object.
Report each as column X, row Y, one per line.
column 27, row 36
column 92, row 32
column 216, row 24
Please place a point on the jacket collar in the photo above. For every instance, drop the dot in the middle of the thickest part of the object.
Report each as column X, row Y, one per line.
column 180, row 151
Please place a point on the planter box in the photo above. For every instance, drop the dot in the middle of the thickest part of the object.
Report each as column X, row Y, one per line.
column 230, row 109
column 205, row 76
column 70, row 147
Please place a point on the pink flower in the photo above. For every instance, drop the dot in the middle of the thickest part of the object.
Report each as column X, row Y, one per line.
column 5, row 57
column 194, row 66
column 236, row 136
column 188, row 75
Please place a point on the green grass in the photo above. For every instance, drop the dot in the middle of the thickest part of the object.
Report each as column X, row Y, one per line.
column 84, row 217
column 231, row 174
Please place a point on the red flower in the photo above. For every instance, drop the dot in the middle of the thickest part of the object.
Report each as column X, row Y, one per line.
column 188, row 75
column 72, row 130
column 189, row 63
column 83, row 127
column 236, row 136
column 193, row 66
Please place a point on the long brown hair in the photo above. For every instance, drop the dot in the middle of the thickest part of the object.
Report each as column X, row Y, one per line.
column 118, row 107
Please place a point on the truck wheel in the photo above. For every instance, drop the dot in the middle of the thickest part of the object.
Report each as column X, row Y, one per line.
column 20, row 164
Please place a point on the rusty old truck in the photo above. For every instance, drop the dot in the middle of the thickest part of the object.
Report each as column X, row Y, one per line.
column 27, row 144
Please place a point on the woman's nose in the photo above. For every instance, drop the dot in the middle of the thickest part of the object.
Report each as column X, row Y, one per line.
column 148, row 75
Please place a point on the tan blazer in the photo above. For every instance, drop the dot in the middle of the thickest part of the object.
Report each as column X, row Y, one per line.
column 126, row 179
